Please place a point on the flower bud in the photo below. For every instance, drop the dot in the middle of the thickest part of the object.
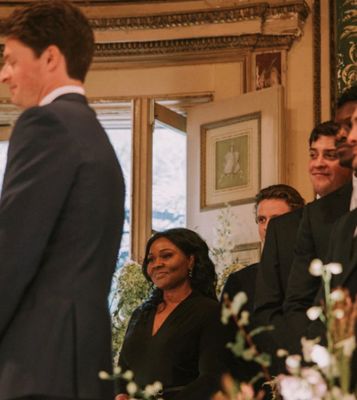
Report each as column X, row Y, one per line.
column 313, row 313
column 316, row 267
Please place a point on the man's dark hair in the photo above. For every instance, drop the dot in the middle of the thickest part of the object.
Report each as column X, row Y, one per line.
column 280, row 192
column 349, row 94
column 54, row 22
column 327, row 128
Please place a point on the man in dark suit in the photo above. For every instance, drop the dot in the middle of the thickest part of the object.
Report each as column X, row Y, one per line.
column 270, row 202
column 313, row 238
column 61, row 213
column 326, row 175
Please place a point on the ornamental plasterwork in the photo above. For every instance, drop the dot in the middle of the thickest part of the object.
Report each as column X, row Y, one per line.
column 194, row 34
column 244, row 42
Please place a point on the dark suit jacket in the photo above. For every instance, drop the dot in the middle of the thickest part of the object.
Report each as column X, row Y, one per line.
column 312, row 242
column 272, row 277
column 342, row 249
column 242, row 281
column 61, row 217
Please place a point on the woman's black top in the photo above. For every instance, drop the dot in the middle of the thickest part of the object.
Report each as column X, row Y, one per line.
column 187, row 351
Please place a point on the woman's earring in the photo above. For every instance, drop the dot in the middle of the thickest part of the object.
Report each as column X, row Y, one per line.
column 190, row 273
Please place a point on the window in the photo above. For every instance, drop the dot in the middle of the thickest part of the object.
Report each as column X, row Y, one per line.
column 169, row 178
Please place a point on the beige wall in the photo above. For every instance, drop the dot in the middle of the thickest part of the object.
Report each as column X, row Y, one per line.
column 222, row 80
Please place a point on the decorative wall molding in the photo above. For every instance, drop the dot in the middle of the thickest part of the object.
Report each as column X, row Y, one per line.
column 183, row 19
column 193, row 34
column 181, row 46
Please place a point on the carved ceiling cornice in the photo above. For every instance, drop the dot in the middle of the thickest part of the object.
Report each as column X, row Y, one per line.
column 181, row 46
column 195, row 33
column 183, row 19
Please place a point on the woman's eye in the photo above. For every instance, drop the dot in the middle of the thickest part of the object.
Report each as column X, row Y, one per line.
column 166, row 256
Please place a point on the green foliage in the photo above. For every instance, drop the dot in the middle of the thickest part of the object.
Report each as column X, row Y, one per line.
column 130, row 289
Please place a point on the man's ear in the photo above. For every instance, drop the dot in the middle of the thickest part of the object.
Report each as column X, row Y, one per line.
column 52, row 57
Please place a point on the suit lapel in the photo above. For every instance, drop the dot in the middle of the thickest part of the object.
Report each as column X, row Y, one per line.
column 347, row 248
column 338, row 203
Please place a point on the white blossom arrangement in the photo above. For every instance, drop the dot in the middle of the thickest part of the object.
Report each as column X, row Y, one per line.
column 130, row 289
column 328, row 377
column 222, row 250
column 150, row 392
column 322, row 372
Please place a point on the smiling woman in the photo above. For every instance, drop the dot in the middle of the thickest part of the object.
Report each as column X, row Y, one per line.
column 176, row 337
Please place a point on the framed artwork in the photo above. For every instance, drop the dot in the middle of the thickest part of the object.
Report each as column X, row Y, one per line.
column 230, row 161
column 248, row 253
column 269, row 69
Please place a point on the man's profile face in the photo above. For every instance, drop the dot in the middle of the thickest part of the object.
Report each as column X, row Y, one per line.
column 268, row 209
column 326, row 174
column 22, row 72
column 343, row 117
column 352, row 139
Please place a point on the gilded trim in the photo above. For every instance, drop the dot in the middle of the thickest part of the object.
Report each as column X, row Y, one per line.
column 182, row 46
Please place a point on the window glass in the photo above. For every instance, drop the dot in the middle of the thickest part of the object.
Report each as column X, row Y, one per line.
column 169, row 178
column 120, row 136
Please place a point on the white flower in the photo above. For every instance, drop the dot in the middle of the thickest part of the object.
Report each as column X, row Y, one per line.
column 307, row 346
column 314, row 312
column 226, row 313
column 158, row 386
column 282, row 353
column 321, row 356
column 337, row 295
column 293, row 363
column 316, row 267
column 150, row 390
column 334, row 268
column 244, row 318
column 103, row 375
column 348, row 345
column 310, row 386
column 239, row 299
column 117, row 370
column 316, row 382
column 132, row 388
column 294, row 388
column 128, row 375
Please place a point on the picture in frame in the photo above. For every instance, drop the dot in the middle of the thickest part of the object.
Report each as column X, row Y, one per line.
column 230, row 161
column 269, row 69
column 247, row 253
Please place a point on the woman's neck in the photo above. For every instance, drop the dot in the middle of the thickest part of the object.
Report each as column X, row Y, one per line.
column 176, row 295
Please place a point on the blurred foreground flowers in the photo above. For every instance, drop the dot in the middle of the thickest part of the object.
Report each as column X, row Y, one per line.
column 321, row 372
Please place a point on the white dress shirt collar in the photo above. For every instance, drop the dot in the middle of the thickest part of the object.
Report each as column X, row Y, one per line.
column 61, row 91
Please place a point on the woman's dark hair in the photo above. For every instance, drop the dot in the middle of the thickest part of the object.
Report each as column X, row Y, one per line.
column 204, row 276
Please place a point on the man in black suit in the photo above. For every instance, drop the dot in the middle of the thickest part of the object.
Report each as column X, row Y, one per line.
column 61, row 213
column 313, row 238
column 343, row 249
column 326, row 175
column 270, row 202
